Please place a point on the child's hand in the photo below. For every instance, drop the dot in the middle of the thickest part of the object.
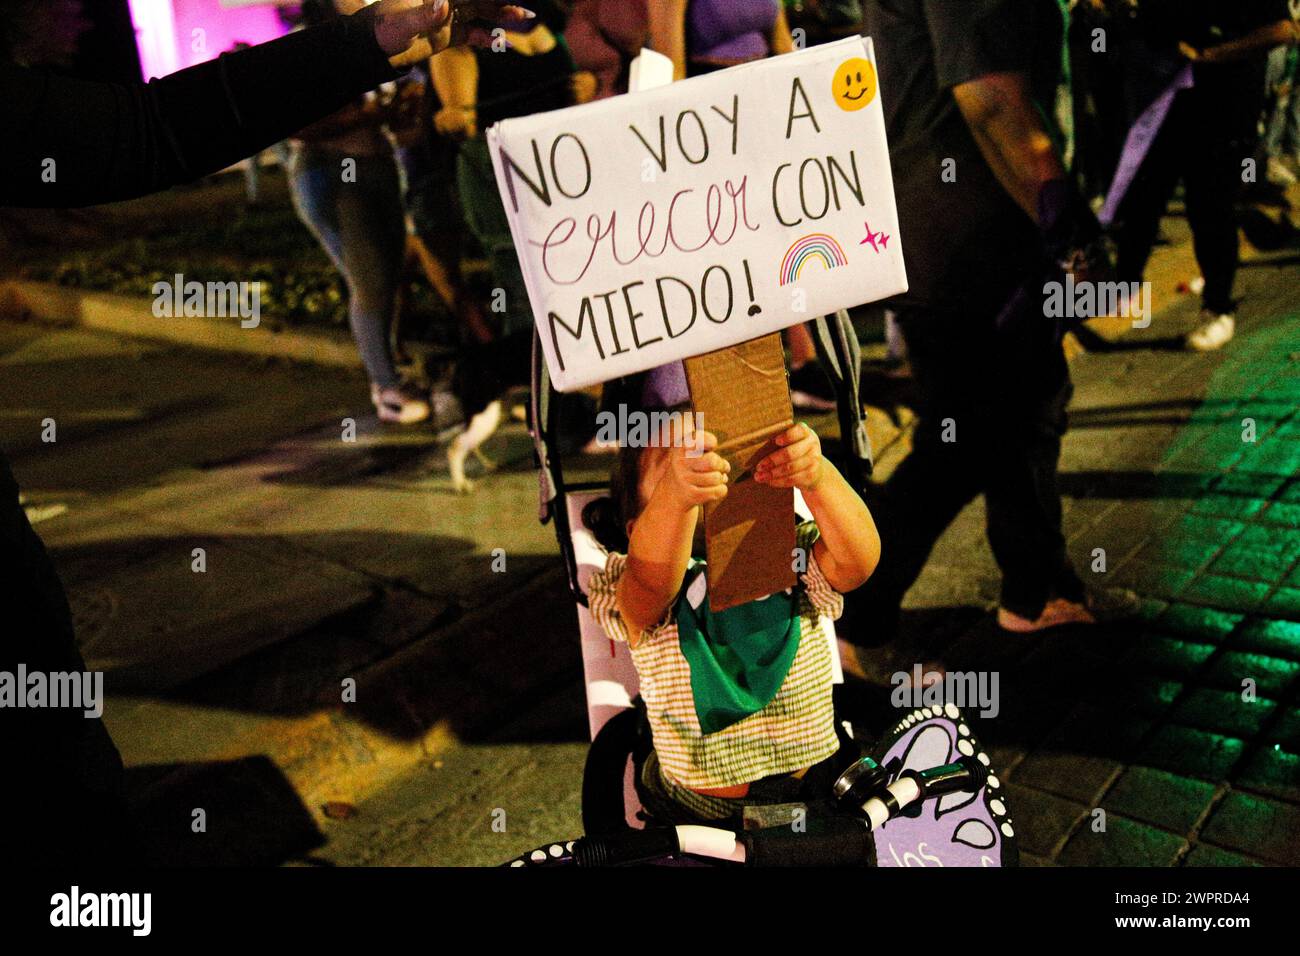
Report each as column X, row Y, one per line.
column 798, row 463
column 697, row 475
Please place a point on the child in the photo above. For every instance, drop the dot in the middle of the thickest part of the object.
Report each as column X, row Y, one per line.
column 739, row 702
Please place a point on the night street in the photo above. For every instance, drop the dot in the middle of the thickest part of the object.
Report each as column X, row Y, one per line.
column 327, row 559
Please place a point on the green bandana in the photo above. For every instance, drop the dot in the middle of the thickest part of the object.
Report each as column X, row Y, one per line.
column 738, row 657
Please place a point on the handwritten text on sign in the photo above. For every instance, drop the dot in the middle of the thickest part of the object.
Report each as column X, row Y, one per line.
column 666, row 224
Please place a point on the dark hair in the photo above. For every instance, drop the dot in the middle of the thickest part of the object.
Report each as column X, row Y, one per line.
column 608, row 517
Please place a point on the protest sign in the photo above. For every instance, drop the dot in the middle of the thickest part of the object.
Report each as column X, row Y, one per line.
column 674, row 222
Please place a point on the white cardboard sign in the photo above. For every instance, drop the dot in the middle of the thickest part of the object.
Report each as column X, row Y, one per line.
column 655, row 226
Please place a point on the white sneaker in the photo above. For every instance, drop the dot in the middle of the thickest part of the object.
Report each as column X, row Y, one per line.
column 403, row 405
column 1214, row 332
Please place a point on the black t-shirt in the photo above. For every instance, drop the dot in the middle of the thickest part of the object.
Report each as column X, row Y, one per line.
column 966, row 243
column 511, row 84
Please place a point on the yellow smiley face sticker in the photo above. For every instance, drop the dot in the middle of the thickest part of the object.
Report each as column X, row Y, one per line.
column 854, row 85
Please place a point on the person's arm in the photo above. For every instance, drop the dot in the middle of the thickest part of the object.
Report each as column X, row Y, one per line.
column 1011, row 135
column 848, row 548
column 1279, row 33
column 455, row 77
column 72, row 142
column 781, row 40
column 659, row 548
column 667, row 21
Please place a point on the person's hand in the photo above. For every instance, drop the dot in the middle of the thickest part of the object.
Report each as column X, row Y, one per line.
column 696, row 475
column 584, row 85
column 1189, row 52
column 797, row 464
column 456, row 122
column 413, row 30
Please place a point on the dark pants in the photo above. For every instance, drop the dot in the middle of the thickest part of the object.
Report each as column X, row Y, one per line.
column 361, row 226
column 991, row 414
column 61, row 788
column 1201, row 144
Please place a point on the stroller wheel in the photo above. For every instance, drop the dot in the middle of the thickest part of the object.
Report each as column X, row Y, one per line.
column 604, row 809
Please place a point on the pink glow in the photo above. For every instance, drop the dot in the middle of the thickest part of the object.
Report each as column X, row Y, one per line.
column 174, row 34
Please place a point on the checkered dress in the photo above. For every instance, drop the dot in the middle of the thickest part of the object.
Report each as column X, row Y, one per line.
column 794, row 730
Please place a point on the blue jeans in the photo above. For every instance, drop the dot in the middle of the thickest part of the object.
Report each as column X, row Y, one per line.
column 1282, row 136
column 362, row 227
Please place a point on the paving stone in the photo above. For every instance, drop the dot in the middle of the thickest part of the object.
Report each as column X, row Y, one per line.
column 1256, row 826
column 1192, row 753
column 1220, row 591
column 1149, row 609
column 1167, row 656
column 1291, row 492
column 1123, row 843
column 1207, row 533
column 1272, row 675
column 1272, row 770
column 1285, row 730
column 1163, row 580
column 1104, row 729
column 1042, row 820
column 1136, row 695
column 1286, row 514
column 1163, row 799
column 1205, row 855
column 1223, row 712
column 1195, row 621
column 1265, row 538
column 1248, row 485
column 1284, row 602
column 1228, row 506
column 1077, row 776
column 1190, row 554
column 1256, row 565
column 1273, row 637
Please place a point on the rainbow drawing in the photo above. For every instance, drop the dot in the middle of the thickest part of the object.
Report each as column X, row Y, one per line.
column 817, row 246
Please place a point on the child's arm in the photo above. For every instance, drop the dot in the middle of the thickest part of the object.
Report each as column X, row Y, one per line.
column 660, row 543
column 848, row 548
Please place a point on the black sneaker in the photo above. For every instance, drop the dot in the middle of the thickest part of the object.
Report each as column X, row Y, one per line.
column 811, row 390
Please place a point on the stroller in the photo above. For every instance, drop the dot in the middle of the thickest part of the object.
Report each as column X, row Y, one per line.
column 923, row 794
